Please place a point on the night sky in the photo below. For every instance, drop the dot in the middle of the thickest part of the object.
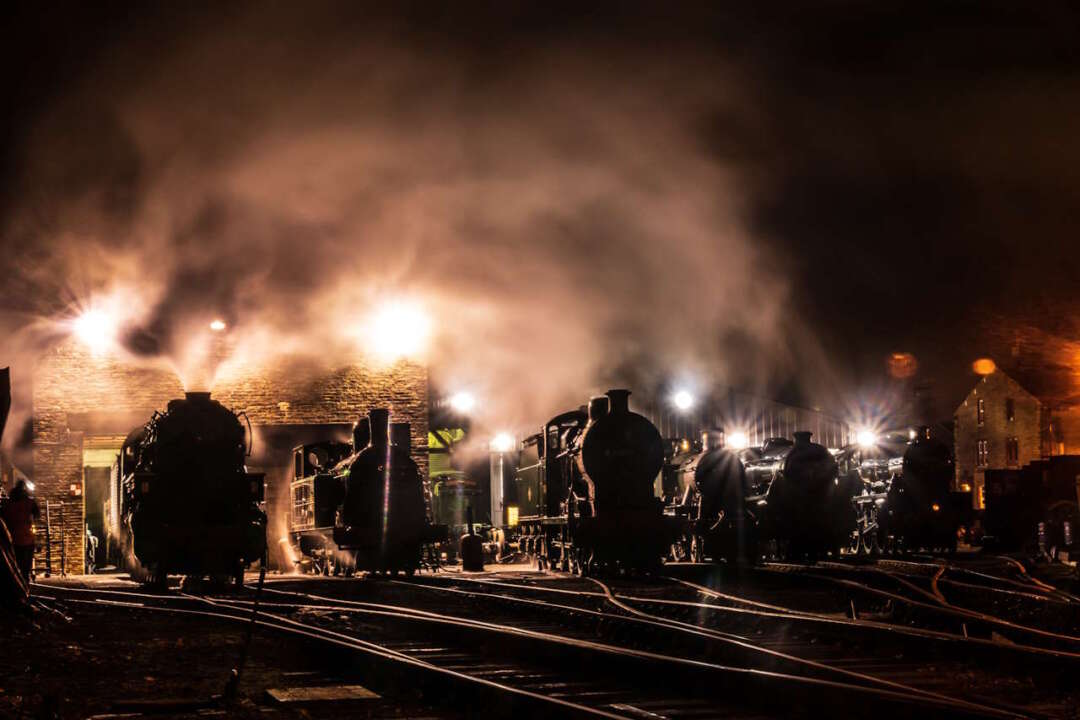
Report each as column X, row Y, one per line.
column 905, row 177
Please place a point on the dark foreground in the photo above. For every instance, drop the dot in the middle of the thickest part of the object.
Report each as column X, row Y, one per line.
column 971, row 638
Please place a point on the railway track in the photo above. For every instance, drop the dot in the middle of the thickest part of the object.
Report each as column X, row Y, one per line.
column 921, row 661
column 537, row 667
column 1046, row 621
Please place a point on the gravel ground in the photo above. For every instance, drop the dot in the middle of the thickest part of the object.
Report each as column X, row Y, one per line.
column 104, row 657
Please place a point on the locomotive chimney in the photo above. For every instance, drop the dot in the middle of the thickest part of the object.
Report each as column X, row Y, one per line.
column 712, row 439
column 803, row 437
column 620, row 400
column 197, row 396
column 361, row 434
column 598, row 407
column 400, row 436
column 379, row 419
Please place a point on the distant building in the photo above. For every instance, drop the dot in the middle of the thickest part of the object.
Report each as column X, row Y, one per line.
column 998, row 425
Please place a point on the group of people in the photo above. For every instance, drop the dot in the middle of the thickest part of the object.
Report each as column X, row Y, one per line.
column 18, row 512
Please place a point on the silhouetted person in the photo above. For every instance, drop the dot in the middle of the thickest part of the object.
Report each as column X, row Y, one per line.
column 19, row 512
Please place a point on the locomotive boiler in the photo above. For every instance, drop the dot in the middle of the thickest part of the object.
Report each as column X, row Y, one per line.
column 809, row 512
column 904, row 502
column 382, row 522
column 182, row 500
column 709, row 497
column 586, row 490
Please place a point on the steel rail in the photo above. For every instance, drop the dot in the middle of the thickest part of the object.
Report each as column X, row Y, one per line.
column 816, row 665
column 320, row 633
column 895, row 689
column 353, row 643
column 782, row 613
column 951, row 610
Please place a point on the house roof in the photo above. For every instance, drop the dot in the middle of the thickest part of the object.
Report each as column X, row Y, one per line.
column 998, row 377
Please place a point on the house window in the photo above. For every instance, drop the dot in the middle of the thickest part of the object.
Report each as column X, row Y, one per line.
column 1012, row 451
column 982, row 453
column 1010, row 410
column 981, row 411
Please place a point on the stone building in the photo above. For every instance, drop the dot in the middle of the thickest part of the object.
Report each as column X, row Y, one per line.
column 998, row 425
column 84, row 405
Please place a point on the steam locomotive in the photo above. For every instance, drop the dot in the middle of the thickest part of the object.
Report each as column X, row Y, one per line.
column 585, row 488
column 904, row 502
column 362, row 506
column 783, row 499
column 181, row 500
column 796, row 500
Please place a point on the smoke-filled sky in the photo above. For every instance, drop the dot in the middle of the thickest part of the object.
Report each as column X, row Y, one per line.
column 778, row 199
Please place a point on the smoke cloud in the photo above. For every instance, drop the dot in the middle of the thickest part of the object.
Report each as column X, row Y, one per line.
column 553, row 207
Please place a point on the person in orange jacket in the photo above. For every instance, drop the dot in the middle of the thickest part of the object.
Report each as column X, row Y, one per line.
column 19, row 512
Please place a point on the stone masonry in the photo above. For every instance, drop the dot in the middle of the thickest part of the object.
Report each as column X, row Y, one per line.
column 69, row 381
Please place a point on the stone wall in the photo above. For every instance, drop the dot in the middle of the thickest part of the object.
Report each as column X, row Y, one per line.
column 70, row 384
column 1026, row 426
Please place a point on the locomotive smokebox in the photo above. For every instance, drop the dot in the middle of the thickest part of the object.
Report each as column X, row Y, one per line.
column 400, row 436
column 598, row 407
column 361, row 434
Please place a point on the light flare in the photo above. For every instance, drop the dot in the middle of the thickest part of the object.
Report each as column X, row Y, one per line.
column 738, row 440
column 95, row 329
column 463, row 402
column 502, row 442
column 683, row 400
column 397, row 329
column 866, row 438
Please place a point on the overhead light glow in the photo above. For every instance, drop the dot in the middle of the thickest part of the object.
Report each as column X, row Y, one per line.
column 738, row 440
column 911, row 434
column 463, row 402
column 983, row 366
column 217, row 325
column 95, row 329
column 683, row 400
column 398, row 329
column 866, row 438
column 502, row 442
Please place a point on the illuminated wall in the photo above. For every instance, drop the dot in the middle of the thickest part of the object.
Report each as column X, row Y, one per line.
column 84, row 405
column 996, row 428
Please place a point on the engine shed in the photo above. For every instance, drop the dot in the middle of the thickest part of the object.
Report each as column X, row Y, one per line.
column 84, row 405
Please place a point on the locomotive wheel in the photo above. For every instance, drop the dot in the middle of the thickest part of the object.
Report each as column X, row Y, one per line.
column 856, row 546
column 696, row 553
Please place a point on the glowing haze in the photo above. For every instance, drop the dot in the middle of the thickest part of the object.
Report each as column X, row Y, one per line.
column 533, row 231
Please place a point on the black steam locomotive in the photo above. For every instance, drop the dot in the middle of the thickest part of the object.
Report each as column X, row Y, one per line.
column 585, row 487
column 182, row 500
column 782, row 499
column 362, row 507
column 904, row 502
